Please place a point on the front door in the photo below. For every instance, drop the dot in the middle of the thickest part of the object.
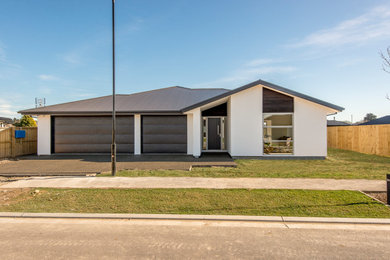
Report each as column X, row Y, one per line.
column 214, row 134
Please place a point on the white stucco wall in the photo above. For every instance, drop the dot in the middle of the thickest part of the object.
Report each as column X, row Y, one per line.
column 44, row 135
column 137, row 134
column 228, row 124
column 310, row 136
column 189, row 134
column 246, row 123
column 196, row 132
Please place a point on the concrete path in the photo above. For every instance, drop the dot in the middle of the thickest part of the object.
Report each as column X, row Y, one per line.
column 183, row 217
column 195, row 182
column 151, row 239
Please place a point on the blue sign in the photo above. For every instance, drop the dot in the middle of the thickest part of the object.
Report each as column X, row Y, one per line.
column 20, row 133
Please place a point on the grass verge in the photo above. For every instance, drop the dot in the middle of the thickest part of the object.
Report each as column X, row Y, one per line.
column 199, row 201
column 340, row 164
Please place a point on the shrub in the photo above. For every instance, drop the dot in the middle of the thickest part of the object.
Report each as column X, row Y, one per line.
column 26, row 121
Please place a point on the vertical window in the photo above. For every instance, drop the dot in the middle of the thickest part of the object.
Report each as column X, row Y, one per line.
column 278, row 133
column 204, row 134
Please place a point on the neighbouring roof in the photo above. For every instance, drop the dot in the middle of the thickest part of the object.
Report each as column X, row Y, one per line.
column 379, row 121
column 6, row 120
column 165, row 100
column 336, row 123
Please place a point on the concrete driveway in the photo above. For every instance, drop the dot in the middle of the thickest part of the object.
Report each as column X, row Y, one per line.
column 90, row 164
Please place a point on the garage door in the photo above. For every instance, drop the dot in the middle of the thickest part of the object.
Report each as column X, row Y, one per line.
column 92, row 134
column 164, row 134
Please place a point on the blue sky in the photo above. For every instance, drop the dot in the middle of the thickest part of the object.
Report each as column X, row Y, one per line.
column 61, row 50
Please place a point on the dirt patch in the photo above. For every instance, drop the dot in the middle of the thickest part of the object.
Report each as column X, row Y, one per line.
column 4, row 161
column 4, row 180
column 382, row 196
column 10, row 196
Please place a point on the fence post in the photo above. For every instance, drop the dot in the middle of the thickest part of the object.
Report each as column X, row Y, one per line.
column 388, row 188
column 13, row 144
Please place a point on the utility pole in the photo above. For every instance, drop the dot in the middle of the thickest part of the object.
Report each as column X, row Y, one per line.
column 113, row 145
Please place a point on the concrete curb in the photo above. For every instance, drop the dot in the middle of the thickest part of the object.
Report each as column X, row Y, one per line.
column 280, row 219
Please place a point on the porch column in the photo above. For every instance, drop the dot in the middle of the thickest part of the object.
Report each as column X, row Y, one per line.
column 189, row 134
column 196, row 132
column 137, row 134
column 44, row 135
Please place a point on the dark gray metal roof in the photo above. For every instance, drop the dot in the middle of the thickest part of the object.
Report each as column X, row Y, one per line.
column 337, row 123
column 270, row 86
column 379, row 121
column 6, row 120
column 165, row 100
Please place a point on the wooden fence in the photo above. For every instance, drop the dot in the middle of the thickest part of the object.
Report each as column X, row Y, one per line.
column 11, row 147
column 371, row 139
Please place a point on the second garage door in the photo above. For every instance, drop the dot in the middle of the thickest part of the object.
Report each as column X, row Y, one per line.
column 164, row 134
column 92, row 134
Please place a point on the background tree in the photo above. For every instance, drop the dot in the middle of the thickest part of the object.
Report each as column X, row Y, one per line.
column 26, row 121
column 386, row 60
column 369, row 117
column 386, row 63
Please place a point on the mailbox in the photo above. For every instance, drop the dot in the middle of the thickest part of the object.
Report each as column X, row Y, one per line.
column 20, row 133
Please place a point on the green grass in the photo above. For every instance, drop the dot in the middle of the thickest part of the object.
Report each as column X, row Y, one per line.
column 340, row 164
column 200, row 201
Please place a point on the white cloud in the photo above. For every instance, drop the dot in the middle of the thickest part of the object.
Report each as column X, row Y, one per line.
column 374, row 24
column 47, row 77
column 6, row 110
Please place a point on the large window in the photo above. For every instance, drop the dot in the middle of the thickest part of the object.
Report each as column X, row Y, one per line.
column 278, row 133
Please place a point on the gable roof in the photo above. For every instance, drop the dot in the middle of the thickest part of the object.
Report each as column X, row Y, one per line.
column 270, row 86
column 379, row 121
column 165, row 100
column 337, row 123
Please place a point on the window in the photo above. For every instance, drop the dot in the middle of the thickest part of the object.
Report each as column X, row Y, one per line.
column 278, row 133
column 204, row 134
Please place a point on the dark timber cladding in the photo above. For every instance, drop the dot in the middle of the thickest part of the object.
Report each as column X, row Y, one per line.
column 164, row 134
column 220, row 110
column 92, row 134
column 276, row 102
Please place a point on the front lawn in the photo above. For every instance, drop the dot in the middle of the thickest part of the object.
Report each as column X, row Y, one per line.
column 198, row 201
column 340, row 164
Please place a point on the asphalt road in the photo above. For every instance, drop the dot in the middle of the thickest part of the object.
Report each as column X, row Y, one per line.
column 144, row 239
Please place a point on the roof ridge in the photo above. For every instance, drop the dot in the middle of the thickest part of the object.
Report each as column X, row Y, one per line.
column 152, row 90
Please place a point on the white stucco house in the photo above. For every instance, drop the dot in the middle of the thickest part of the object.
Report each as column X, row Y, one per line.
column 258, row 120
